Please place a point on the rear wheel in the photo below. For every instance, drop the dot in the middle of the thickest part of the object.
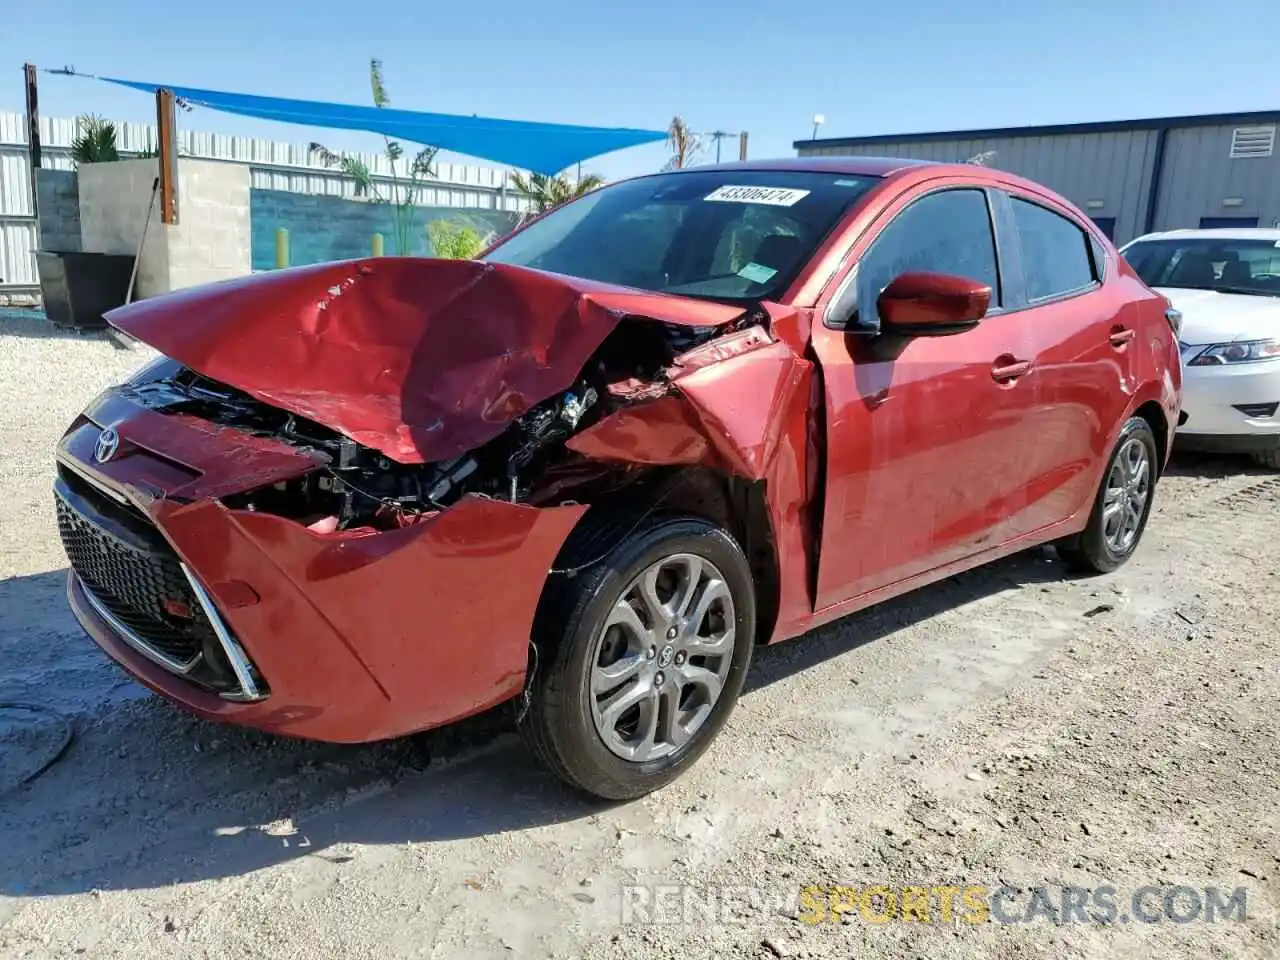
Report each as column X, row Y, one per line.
column 1122, row 505
column 645, row 653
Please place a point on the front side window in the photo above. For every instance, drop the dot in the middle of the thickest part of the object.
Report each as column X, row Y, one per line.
column 1208, row 263
column 946, row 232
column 736, row 235
column 1056, row 254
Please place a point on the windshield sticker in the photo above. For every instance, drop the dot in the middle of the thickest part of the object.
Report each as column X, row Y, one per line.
column 757, row 273
column 847, row 183
column 771, row 196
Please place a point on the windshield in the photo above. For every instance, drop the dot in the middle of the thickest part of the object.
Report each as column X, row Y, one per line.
column 721, row 234
column 1209, row 263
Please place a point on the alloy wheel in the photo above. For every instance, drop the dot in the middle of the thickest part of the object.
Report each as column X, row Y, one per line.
column 662, row 657
column 1125, row 500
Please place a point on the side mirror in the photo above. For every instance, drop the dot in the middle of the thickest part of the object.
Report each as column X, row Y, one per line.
column 931, row 305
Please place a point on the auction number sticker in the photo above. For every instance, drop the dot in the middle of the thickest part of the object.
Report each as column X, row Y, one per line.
column 772, row 196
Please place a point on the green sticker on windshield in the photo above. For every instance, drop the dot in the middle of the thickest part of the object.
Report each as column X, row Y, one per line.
column 757, row 273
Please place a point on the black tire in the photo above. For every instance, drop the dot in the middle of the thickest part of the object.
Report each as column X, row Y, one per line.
column 558, row 722
column 1090, row 551
column 1268, row 458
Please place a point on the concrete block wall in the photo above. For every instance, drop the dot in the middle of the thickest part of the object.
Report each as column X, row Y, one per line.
column 211, row 240
column 58, row 194
column 323, row 228
column 114, row 198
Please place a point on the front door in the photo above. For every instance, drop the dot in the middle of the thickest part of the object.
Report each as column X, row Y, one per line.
column 925, row 443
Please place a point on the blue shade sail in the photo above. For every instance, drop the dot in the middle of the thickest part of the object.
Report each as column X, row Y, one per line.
column 541, row 147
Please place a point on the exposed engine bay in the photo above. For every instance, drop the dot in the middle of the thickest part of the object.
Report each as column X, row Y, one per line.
column 360, row 488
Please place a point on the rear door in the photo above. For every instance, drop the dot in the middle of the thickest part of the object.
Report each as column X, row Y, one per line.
column 924, row 438
column 1079, row 336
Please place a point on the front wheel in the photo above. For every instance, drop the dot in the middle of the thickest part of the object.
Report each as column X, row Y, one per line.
column 1122, row 505
column 644, row 655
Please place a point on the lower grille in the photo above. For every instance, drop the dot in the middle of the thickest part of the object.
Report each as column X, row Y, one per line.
column 137, row 583
column 1258, row 411
column 141, row 586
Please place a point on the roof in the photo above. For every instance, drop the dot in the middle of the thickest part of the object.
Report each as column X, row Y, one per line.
column 855, row 166
column 1104, row 126
column 1217, row 233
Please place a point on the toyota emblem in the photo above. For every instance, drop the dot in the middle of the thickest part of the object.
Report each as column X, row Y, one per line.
column 108, row 444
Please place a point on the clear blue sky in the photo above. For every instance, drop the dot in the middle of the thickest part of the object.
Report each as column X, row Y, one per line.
column 766, row 67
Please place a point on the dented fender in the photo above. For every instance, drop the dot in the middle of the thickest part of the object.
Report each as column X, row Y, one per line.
column 741, row 405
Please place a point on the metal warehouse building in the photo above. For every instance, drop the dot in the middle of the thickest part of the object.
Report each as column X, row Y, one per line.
column 1131, row 176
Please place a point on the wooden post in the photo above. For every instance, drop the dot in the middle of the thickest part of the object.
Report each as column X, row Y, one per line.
column 282, row 248
column 166, row 123
column 33, row 129
column 377, row 244
column 742, row 145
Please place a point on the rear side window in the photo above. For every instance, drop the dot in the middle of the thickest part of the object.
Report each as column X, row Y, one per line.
column 1056, row 255
column 946, row 232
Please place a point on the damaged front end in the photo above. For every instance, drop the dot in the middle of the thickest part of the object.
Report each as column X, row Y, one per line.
column 368, row 469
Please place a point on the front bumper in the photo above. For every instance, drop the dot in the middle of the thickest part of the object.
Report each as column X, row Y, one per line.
column 1212, row 398
column 349, row 637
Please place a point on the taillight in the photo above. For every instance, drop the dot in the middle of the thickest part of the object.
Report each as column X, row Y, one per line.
column 1174, row 316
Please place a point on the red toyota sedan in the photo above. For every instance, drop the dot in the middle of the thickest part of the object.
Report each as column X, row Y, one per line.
column 678, row 417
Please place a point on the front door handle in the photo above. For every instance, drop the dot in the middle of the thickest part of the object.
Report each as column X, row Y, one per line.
column 1007, row 369
column 1121, row 335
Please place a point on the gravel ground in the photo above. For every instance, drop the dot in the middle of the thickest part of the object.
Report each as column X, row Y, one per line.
column 1010, row 727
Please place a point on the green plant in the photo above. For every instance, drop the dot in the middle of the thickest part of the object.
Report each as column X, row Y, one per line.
column 95, row 140
column 451, row 240
column 407, row 175
column 548, row 192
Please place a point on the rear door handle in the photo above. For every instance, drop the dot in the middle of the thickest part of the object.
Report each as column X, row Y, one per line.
column 1008, row 369
column 1121, row 335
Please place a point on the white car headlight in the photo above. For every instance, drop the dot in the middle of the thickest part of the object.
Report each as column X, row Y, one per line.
column 1245, row 352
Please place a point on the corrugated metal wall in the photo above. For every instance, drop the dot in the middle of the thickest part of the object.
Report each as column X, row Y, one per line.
column 275, row 166
column 1113, row 168
column 1199, row 174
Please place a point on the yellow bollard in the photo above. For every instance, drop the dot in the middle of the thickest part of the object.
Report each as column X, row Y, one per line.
column 377, row 244
column 282, row 248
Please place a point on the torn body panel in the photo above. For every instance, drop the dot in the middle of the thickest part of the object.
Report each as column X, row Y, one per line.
column 739, row 404
column 359, row 634
column 421, row 360
column 379, row 569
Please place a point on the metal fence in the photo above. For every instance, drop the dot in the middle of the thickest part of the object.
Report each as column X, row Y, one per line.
column 274, row 165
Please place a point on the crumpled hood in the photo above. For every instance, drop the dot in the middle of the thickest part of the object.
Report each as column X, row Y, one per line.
column 419, row 359
column 1210, row 316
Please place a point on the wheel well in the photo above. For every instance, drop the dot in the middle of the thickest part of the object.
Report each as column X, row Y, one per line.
column 1153, row 413
column 737, row 505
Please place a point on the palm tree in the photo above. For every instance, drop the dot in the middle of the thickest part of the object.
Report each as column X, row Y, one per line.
column 548, row 192
column 95, row 141
column 684, row 144
column 406, row 182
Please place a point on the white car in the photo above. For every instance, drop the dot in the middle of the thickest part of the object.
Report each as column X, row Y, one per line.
column 1226, row 285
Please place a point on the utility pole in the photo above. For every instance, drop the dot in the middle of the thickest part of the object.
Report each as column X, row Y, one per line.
column 717, row 137
column 33, row 127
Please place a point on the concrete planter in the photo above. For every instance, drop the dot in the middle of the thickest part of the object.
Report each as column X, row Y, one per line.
column 78, row 288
